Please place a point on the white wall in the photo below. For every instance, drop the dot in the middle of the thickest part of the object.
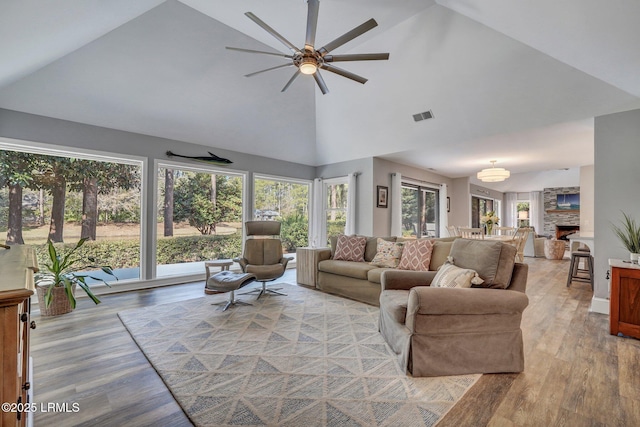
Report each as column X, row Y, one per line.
column 460, row 214
column 587, row 195
column 616, row 173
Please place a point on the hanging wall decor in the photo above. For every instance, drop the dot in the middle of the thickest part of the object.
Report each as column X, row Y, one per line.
column 211, row 158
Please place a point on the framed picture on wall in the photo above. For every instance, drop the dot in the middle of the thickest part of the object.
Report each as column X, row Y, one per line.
column 382, row 201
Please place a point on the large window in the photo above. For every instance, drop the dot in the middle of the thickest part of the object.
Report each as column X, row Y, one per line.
column 420, row 211
column 523, row 218
column 335, row 206
column 199, row 218
column 286, row 201
column 57, row 195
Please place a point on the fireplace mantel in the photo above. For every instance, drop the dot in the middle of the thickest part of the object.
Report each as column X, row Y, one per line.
column 560, row 211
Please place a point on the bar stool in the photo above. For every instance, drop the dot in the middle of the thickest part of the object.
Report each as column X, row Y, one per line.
column 574, row 267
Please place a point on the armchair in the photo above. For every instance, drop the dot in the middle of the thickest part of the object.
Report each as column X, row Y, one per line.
column 263, row 254
column 453, row 331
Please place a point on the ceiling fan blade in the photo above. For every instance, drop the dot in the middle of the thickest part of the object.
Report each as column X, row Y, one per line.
column 357, row 57
column 271, row 31
column 259, row 51
column 358, row 31
column 344, row 73
column 296, row 74
column 268, row 69
column 321, row 84
column 312, row 23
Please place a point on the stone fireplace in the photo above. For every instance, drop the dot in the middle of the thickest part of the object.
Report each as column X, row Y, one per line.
column 559, row 222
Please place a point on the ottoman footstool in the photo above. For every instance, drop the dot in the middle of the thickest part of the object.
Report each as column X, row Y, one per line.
column 226, row 281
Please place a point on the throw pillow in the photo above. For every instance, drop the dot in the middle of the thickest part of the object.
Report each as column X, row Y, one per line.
column 387, row 254
column 450, row 276
column 350, row 248
column 416, row 255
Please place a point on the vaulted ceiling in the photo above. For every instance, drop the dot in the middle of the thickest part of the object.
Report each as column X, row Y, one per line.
column 518, row 82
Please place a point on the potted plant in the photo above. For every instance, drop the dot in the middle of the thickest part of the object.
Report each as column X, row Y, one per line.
column 629, row 235
column 57, row 282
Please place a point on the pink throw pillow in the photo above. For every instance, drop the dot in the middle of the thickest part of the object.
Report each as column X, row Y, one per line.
column 416, row 255
column 350, row 248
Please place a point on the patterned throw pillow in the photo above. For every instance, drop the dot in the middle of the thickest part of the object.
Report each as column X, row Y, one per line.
column 387, row 254
column 450, row 276
column 416, row 255
column 350, row 248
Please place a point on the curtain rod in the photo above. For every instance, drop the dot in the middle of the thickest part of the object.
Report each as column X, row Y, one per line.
column 417, row 180
column 339, row 176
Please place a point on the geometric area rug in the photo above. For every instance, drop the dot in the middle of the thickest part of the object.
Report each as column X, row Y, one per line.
column 305, row 359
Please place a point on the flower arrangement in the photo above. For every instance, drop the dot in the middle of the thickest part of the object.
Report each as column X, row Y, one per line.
column 489, row 220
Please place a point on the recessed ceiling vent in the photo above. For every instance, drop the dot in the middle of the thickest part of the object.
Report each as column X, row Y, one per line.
column 423, row 116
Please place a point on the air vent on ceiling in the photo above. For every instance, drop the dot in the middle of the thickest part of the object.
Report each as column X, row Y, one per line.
column 423, row 116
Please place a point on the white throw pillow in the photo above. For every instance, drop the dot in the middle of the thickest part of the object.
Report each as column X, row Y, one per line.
column 450, row 276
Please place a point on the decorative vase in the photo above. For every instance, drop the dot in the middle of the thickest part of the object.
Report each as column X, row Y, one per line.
column 59, row 304
column 634, row 257
column 489, row 229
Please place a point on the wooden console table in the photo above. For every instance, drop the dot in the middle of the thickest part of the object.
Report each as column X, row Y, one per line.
column 624, row 303
column 307, row 265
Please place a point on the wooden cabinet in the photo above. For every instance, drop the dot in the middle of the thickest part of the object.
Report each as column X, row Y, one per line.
column 625, row 299
column 307, row 265
column 17, row 266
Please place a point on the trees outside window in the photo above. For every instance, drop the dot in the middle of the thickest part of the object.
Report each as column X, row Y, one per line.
column 199, row 218
column 335, row 208
column 286, row 201
column 419, row 211
column 68, row 196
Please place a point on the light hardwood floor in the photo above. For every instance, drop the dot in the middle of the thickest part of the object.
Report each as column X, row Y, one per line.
column 576, row 373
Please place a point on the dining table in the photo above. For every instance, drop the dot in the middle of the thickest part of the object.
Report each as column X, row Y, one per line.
column 499, row 237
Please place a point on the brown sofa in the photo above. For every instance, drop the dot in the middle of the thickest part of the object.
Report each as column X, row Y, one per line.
column 453, row 331
column 360, row 280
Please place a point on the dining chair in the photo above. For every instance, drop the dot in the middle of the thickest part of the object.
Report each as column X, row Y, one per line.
column 453, row 230
column 471, row 233
column 519, row 240
column 504, row 231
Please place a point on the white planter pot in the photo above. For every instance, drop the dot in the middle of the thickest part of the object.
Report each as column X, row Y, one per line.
column 634, row 257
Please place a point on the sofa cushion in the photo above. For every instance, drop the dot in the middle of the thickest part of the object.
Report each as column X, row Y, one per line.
column 387, row 254
column 394, row 302
column 451, row 276
column 439, row 254
column 416, row 255
column 350, row 248
column 371, row 249
column 492, row 260
column 375, row 275
column 357, row 270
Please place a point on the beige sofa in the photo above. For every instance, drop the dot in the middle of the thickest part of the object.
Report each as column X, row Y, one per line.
column 360, row 280
column 454, row 331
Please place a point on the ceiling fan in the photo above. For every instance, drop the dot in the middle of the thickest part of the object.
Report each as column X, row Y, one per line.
column 310, row 60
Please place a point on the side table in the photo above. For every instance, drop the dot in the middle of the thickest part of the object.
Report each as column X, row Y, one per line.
column 307, row 265
column 224, row 265
column 554, row 249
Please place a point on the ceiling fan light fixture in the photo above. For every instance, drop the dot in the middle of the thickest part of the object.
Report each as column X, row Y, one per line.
column 308, row 66
column 493, row 174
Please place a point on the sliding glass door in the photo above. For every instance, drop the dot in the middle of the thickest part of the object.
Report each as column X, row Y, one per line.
column 419, row 211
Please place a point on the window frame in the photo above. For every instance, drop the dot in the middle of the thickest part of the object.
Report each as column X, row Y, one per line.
column 199, row 168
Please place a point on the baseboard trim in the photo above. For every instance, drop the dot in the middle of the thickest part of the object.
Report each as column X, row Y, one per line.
column 599, row 305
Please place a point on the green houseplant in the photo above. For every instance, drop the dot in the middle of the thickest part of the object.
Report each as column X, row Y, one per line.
column 57, row 282
column 629, row 234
